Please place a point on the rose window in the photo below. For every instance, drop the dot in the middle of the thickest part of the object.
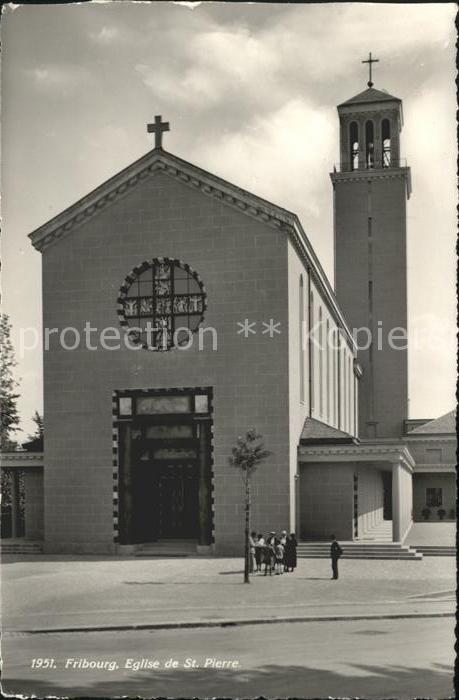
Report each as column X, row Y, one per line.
column 162, row 302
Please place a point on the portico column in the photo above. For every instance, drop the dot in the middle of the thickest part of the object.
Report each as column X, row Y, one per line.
column 396, row 502
column 14, row 503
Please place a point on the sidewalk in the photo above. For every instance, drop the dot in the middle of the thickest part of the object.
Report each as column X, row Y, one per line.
column 56, row 592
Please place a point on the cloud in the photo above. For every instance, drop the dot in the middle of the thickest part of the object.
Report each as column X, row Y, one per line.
column 57, row 78
column 276, row 167
column 106, row 35
column 209, row 66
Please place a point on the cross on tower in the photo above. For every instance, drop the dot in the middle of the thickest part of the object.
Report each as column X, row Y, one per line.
column 157, row 129
column 370, row 61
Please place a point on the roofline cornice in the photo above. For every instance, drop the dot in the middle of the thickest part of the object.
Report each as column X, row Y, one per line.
column 21, row 459
column 425, row 437
column 376, row 174
column 392, row 453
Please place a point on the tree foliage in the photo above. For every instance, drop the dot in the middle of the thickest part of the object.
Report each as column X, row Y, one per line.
column 35, row 442
column 248, row 452
column 8, row 386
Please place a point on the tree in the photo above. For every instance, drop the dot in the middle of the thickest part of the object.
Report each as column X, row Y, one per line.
column 8, row 397
column 247, row 454
column 9, row 421
column 35, row 442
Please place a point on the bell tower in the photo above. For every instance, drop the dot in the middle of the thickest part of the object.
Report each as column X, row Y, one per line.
column 371, row 186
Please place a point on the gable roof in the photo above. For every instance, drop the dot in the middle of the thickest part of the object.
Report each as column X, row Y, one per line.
column 159, row 161
column 315, row 432
column 370, row 95
column 442, row 425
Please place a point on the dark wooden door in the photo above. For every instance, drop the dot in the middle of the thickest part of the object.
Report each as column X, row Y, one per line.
column 178, row 501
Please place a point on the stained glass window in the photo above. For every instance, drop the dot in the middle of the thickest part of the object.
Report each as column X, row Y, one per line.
column 163, row 301
column 125, row 406
column 201, row 403
column 163, row 404
column 169, row 431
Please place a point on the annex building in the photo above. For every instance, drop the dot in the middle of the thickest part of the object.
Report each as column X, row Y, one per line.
column 208, row 312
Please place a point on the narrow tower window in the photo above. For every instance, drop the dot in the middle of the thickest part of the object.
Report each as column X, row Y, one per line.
column 385, row 128
column 321, row 365
column 354, row 145
column 301, row 319
column 327, row 350
column 370, row 145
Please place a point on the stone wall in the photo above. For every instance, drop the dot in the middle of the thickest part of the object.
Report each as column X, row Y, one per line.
column 370, row 498
column 326, row 501
column 33, row 496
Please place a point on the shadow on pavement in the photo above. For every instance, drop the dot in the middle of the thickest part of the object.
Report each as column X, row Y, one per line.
column 273, row 681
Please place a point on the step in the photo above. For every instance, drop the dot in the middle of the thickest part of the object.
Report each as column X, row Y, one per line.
column 412, row 556
column 21, row 550
column 436, row 550
column 167, row 548
column 358, row 547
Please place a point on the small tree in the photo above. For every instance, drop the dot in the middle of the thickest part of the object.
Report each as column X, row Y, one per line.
column 247, row 454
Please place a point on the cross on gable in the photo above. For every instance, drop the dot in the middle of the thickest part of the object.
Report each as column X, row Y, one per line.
column 370, row 61
column 157, row 129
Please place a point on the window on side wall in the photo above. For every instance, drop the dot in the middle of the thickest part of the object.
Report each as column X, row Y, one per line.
column 434, row 497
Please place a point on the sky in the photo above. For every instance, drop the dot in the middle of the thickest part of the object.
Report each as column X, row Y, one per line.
column 250, row 91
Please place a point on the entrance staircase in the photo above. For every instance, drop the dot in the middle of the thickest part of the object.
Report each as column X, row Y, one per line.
column 21, row 546
column 373, row 544
column 167, row 548
column 382, row 532
column 436, row 550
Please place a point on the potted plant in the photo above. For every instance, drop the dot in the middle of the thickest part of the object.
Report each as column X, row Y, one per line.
column 425, row 512
column 441, row 512
column 452, row 514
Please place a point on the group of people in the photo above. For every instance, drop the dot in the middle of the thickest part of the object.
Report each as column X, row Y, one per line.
column 275, row 553
column 278, row 553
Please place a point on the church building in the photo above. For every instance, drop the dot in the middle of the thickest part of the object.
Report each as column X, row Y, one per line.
column 180, row 310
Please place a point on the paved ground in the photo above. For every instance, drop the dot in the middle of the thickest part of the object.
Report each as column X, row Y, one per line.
column 383, row 659
column 53, row 592
column 442, row 533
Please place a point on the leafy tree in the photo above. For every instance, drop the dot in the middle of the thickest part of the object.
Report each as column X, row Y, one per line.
column 9, row 421
column 8, row 397
column 35, row 442
column 247, row 454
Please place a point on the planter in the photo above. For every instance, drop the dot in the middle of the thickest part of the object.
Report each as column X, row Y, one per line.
column 425, row 512
column 441, row 513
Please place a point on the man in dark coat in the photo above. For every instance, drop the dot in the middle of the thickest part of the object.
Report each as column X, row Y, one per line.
column 290, row 553
column 335, row 553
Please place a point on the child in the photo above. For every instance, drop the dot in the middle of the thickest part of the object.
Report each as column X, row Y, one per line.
column 259, row 551
column 279, row 558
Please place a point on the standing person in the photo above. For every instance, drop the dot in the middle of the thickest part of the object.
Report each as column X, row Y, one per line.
column 252, row 543
column 259, row 551
column 290, row 553
column 271, row 542
column 283, row 537
column 279, row 549
column 268, row 558
column 335, row 553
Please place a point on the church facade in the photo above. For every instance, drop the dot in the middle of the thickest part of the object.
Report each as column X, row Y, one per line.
column 180, row 310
